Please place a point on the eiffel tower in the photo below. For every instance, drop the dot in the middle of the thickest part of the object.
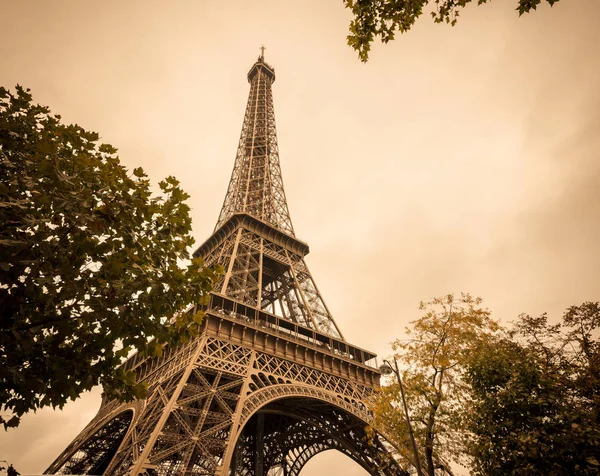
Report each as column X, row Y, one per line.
column 270, row 381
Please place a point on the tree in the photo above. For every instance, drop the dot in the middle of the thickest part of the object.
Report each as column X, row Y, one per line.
column 91, row 263
column 383, row 18
column 535, row 397
column 433, row 360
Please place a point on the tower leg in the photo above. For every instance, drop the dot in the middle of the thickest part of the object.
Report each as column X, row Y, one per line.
column 260, row 449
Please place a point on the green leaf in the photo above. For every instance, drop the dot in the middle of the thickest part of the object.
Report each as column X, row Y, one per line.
column 96, row 245
column 198, row 317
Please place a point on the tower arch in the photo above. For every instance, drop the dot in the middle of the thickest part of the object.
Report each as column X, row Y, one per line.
column 94, row 454
column 315, row 450
column 290, row 427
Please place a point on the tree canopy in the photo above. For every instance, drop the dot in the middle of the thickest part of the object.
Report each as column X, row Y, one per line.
column 432, row 358
column 535, row 397
column 92, row 265
column 385, row 18
column 517, row 400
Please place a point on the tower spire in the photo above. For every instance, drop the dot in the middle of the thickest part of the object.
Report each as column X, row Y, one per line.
column 256, row 186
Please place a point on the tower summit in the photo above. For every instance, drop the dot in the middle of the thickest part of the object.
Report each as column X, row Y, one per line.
column 256, row 186
column 270, row 381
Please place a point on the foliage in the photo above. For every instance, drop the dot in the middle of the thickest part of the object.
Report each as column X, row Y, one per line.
column 518, row 401
column 383, row 18
column 433, row 360
column 90, row 263
column 536, row 397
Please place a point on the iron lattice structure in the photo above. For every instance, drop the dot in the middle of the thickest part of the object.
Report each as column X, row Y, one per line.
column 270, row 381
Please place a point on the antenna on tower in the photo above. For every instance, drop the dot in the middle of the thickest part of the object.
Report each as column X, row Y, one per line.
column 262, row 52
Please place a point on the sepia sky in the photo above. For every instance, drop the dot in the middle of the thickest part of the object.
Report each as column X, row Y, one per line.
column 457, row 159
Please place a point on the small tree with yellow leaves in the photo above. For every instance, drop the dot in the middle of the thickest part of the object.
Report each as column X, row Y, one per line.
column 432, row 361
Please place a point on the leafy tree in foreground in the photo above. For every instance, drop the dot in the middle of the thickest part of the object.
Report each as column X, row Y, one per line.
column 432, row 360
column 90, row 263
column 383, row 18
column 536, row 397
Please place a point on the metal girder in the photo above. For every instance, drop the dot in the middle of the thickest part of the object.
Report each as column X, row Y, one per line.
column 194, row 422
